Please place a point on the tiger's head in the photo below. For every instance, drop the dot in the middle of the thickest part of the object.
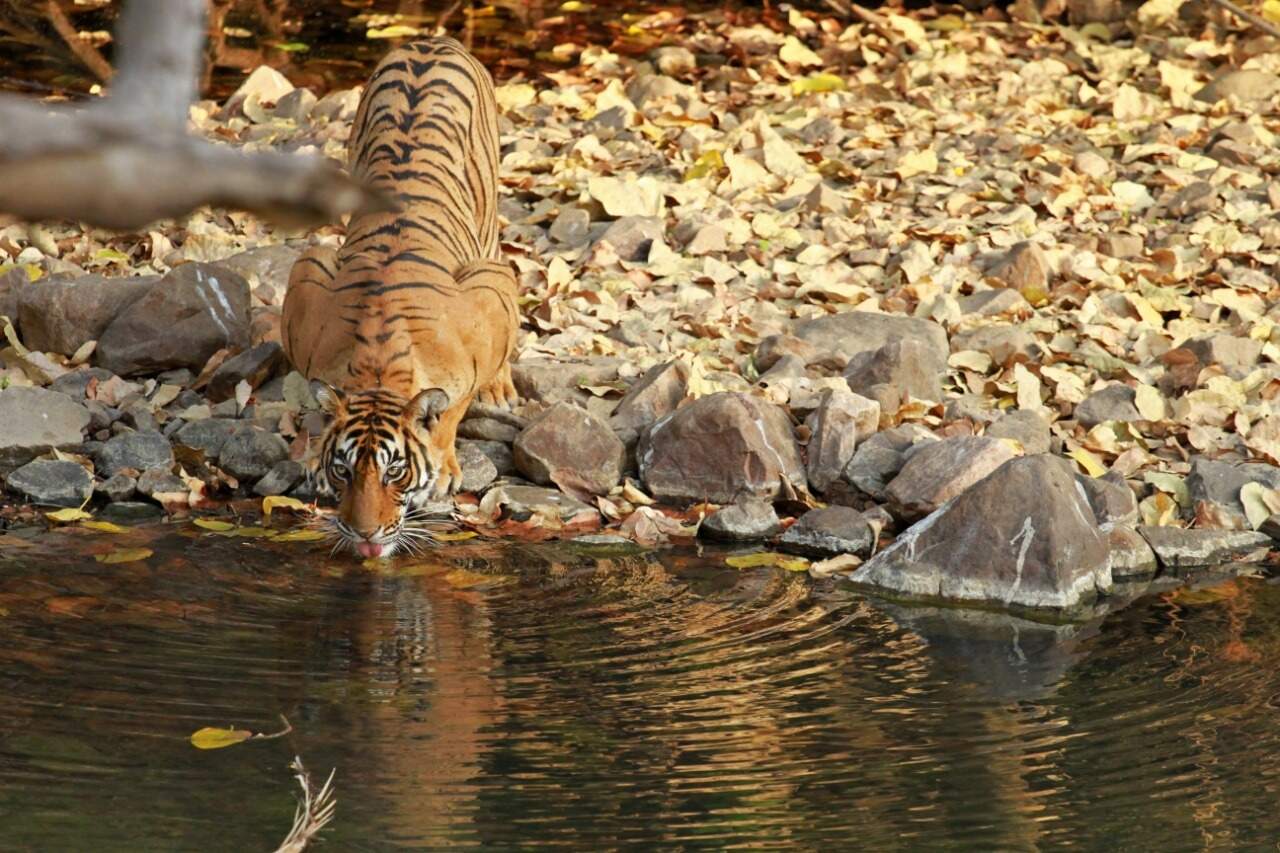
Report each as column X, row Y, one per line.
column 377, row 461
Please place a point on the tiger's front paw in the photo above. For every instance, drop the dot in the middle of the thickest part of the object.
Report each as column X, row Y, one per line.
column 449, row 480
column 501, row 391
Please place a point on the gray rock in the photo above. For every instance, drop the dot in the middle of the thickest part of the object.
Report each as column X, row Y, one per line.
column 1026, row 269
column 207, row 435
column 1225, row 350
column 829, row 531
column 1245, row 84
column 64, row 313
column 745, row 521
column 1220, row 483
column 296, row 106
column 571, row 227
column 478, row 469
column 907, row 366
column 11, row 284
column 1026, row 427
column 839, row 337
column 1131, row 556
column 101, row 417
column 971, row 407
column 136, row 450
column 499, row 453
column 160, row 481
column 655, row 395
column 265, row 267
column 775, row 348
column 138, row 415
column 999, row 341
column 182, row 320
column 130, row 512
column 34, row 421
column 722, row 448
column 488, row 430
column 1096, row 11
column 879, row 459
column 251, row 452
column 523, row 501
column 841, row 420
column 633, row 236
column 1193, row 199
column 121, row 487
column 570, row 448
column 283, row 477
column 340, row 105
column 993, row 303
column 1178, row 548
column 255, row 366
column 940, row 471
column 52, row 483
column 1022, row 537
column 1112, row 403
column 554, row 381
column 644, row 88
column 1121, row 245
column 76, row 383
column 1112, row 500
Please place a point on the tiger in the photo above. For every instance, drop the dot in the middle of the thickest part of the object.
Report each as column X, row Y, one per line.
column 415, row 316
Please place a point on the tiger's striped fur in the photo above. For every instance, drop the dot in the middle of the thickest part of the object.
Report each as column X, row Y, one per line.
column 415, row 316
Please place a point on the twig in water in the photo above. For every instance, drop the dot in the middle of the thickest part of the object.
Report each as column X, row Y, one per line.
column 313, row 813
column 288, row 727
column 1257, row 20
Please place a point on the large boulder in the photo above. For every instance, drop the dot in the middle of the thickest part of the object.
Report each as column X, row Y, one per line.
column 569, row 447
column 34, row 421
column 182, row 320
column 654, row 395
column 1219, row 483
column 1177, row 548
column 907, row 366
column 1024, row 536
column 138, row 451
column 722, row 448
column 63, row 313
column 829, row 531
column 839, row 337
column 879, row 459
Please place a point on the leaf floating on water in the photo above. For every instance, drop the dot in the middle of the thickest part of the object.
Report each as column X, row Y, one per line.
column 301, row 536
column 458, row 536
column 65, row 516
column 102, row 526
column 211, row 738
column 465, row 579
column 395, row 31
column 214, row 525
column 752, row 561
column 280, row 501
column 125, row 555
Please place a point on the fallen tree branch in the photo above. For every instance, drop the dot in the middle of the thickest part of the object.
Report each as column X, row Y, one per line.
column 127, row 161
column 87, row 54
column 1244, row 14
column 313, row 813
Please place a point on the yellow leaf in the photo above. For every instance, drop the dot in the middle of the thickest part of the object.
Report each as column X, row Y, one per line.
column 794, row 52
column 710, row 163
column 124, row 555
column 1158, row 510
column 69, row 514
column 1259, row 503
column 1088, row 461
column 459, row 536
column 301, row 536
column 209, row 738
column 110, row 256
column 395, row 31
column 1171, row 484
column 752, row 561
column 213, row 524
column 793, row 564
column 268, row 504
column 816, row 83
column 1271, row 11
column 923, row 162
column 102, row 526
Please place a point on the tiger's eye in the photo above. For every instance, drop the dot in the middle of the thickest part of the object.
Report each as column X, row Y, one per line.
column 341, row 471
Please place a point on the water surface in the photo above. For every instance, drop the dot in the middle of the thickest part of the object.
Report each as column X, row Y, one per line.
column 550, row 696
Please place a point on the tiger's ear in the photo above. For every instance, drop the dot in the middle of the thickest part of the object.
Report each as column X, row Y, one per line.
column 427, row 406
column 329, row 398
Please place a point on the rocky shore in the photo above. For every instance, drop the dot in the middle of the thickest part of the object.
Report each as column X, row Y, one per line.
column 944, row 336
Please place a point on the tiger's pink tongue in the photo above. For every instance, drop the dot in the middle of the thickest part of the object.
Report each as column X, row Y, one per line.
column 369, row 549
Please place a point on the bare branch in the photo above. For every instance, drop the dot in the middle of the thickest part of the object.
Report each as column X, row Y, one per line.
column 128, row 160
column 85, row 52
column 1244, row 14
column 313, row 813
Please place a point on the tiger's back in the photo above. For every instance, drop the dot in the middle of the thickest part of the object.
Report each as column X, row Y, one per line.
column 417, row 299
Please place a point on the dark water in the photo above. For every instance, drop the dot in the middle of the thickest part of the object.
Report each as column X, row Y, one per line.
column 543, row 696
